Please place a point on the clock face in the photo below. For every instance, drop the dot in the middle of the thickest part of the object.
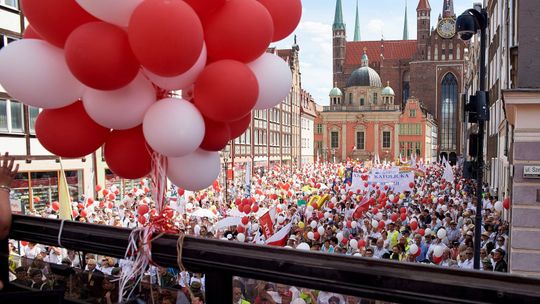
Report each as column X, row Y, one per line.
column 446, row 28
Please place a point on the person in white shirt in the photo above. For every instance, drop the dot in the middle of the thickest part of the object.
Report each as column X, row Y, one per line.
column 468, row 262
column 55, row 256
column 379, row 250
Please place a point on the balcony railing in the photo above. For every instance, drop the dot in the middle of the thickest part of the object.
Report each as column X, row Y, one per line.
column 368, row 108
column 221, row 260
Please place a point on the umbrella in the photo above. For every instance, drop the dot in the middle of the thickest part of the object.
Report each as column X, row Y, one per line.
column 203, row 213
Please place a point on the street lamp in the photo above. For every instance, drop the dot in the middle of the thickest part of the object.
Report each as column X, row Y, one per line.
column 467, row 25
column 225, row 156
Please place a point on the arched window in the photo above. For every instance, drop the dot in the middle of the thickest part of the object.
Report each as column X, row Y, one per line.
column 405, row 85
column 449, row 98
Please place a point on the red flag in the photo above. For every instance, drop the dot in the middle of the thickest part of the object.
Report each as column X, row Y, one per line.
column 265, row 221
column 280, row 238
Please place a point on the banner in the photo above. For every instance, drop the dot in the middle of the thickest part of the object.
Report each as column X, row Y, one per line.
column 265, row 222
column 397, row 181
column 280, row 238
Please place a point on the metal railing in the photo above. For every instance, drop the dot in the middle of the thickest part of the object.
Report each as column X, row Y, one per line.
column 221, row 260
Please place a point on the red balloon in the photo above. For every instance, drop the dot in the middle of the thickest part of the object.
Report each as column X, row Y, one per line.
column 238, row 127
column 349, row 224
column 414, row 225
column 403, row 210
column 24, row 243
column 83, row 213
column 239, row 30
column 403, row 216
column 216, row 135
column 56, row 206
column 316, row 235
column 107, row 65
column 381, row 225
column 89, row 201
column 246, row 209
column 285, row 14
column 422, row 232
column 361, row 243
column 240, row 229
column 111, row 196
column 181, row 191
column 69, row 132
column 255, row 208
column 127, row 153
column 143, row 209
column 54, row 20
column 31, row 33
column 411, row 185
column 166, row 36
column 245, row 220
column 80, row 206
column 98, row 188
column 375, row 210
column 205, row 8
column 506, row 203
column 37, row 199
column 226, row 91
column 331, row 205
column 314, row 205
column 394, row 217
column 74, row 213
column 105, row 192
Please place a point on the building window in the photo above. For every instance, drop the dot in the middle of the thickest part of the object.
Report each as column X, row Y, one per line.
column 3, row 115
column 362, row 101
column 448, row 113
column 386, row 139
column 11, row 116
column 350, row 98
column 16, row 117
column 319, row 128
column 11, row 3
column 412, row 113
column 360, row 136
column 374, row 98
column 334, row 138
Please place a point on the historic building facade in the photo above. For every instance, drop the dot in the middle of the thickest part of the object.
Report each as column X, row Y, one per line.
column 431, row 68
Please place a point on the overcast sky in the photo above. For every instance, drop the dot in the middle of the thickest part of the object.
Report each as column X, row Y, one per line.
column 377, row 18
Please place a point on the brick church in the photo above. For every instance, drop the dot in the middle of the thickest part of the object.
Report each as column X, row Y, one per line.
column 428, row 72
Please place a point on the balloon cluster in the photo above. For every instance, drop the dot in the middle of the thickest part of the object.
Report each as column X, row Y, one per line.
column 103, row 72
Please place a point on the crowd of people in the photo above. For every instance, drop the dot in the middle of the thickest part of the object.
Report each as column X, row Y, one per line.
column 312, row 208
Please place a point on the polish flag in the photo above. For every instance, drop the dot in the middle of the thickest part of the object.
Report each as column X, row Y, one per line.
column 280, row 238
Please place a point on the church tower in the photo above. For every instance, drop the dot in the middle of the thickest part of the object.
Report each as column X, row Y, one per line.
column 448, row 9
column 405, row 25
column 339, row 41
column 423, row 15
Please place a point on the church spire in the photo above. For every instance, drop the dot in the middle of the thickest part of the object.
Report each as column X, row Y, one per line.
column 448, row 8
column 357, row 36
column 405, row 25
column 338, row 17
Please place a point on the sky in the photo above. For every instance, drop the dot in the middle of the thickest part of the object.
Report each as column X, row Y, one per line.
column 377, row 18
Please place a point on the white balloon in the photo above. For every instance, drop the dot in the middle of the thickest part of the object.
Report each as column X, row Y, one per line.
column 427, row 231
column 354, row 224
column 241, row 237
column 274, row 78
column 195, row 171
column 117, row 12
column 353, row 243
column 413, row 249
column 320, row 230
column 313, row 224
column 173, row 127
column 311, row 235
column 327, row 214
column 309, row 208
column 444, row 208
column 303, row 246
column 280, row 219
column 499, row 206
column 438, row 251
column 255, row 227
column 197, row 230
column 120, row 109
column 374, row 223
column 35, row 73
column 441, row 233
column 357, row 254
column 339, row 236
column 183, row 80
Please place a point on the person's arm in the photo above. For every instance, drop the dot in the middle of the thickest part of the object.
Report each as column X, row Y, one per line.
column 7, row 172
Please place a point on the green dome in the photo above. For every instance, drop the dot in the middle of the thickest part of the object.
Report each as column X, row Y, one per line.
column 335, row 92
column 388, row 91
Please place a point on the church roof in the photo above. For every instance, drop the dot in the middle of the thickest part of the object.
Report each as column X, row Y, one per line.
column 393, row 49
column 423, row 5
column 364, row 77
